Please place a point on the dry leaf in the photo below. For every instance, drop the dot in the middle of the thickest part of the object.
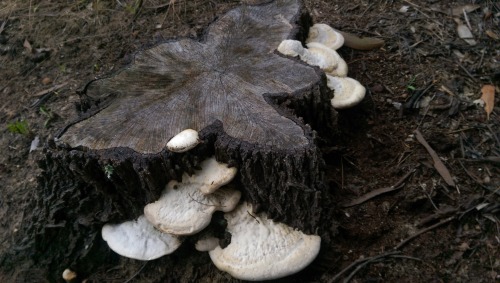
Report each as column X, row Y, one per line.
column 457, row 11
column 465, row 34
column 404, row 9
column 361, row 43
column 488, row 96
column 492, row 34
column 438, row 164
column 27, row 45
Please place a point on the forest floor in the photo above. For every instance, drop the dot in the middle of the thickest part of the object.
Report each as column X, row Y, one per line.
column 414, row 225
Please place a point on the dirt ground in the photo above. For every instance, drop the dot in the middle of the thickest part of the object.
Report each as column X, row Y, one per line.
column 425, row 77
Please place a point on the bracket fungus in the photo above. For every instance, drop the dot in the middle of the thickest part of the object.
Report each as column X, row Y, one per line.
column 183, row 141
column 327, row 59
column 184, row 210
column 348, row 92
column 212, row 176
column 138, row 239
column 262, row 249
column 325, row 35
column 316, row 54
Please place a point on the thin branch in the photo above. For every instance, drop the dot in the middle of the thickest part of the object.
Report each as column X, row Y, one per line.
column 137, row 273
column 404, row 242
column 380, row 191
column 360, row 262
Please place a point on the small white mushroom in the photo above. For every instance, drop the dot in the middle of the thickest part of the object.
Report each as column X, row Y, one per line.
column 184, row 210
column 261, row 249
column 291, row 48
column 327, row 59
column 348, row 92
column 138, row 239
column 212, row 176
column 325, row 35
column 206, row 244
column 316, row 54
column 69, row 275
column 183, row 141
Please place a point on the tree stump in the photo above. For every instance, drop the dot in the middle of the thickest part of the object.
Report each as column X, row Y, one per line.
column 254, row 109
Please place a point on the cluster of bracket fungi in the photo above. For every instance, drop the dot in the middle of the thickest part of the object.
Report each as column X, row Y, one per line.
column 322, row 43
column 260, row 248
column 241, row 109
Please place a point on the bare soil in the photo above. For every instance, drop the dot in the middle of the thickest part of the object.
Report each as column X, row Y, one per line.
column 425, row 77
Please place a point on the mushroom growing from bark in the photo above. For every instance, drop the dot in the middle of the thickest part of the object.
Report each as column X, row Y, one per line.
column 316, row 54
column 69, row 275
column 348, row 92
column 212, row 176
column 138, row 239
column 262, row 249
column 327, row 59
column 325, row 35
column 183, row 141
column 206, row 244
column 184, row 210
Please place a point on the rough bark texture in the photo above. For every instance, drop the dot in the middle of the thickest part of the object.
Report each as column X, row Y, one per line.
column 243, row 97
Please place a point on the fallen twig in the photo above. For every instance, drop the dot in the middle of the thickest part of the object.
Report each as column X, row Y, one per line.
column 45, row 94
column 476, row 179
column 380, row 191
column 438, row 164
column 56, row 87
column 420, row 232
column 362, row 261
column 438, row 215
column 375, row 259
column 137, row 273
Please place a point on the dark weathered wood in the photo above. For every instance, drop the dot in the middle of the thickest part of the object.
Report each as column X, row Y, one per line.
column 254, row 108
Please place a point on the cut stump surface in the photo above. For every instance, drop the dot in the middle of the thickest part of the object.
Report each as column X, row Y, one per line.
column 231, row 76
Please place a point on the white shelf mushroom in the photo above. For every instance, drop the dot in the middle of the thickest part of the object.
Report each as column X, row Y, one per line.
column 212, row 176
column 327, row 59
column 138, row 239
column 325, row 35
column 290, row 47
column 206, row 244
column 317, row 55
column 348, row 92
column 184, row 210
column 69, row 275
column 183, row 141
column 261, row 249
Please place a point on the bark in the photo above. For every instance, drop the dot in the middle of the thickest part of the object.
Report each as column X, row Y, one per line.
column 254, row 109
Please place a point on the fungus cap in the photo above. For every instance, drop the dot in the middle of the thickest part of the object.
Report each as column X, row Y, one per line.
column 69, row 275
column 261, row 249
column 212, row 176
column 341, row 70
column 206, row 244
column 291, row 47
column 183, row 141
column 348, row 92
column 325, row 35
column 327, row 59
column 184, row 210
column 138, row 239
